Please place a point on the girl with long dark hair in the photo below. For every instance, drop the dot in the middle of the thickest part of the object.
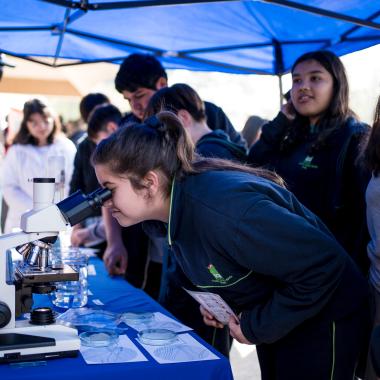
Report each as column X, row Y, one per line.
column 238, row 232
column 314, row 143
column 38, row 140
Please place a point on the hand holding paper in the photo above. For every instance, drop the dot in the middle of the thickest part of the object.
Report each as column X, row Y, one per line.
column 209, row 319
column 215, row 305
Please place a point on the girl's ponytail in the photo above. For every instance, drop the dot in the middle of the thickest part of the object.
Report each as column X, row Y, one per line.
column 176, row 134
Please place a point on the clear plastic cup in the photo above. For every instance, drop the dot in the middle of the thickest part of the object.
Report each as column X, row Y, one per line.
column 71, row 294
column 56, row 170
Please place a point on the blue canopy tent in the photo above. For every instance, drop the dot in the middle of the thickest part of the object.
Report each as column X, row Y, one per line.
column 262, row 37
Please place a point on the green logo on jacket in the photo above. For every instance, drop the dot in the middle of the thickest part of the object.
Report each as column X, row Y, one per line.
column 306, row 163
column 217, row 276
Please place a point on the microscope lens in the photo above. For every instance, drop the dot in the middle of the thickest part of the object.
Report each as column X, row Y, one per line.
column 32, row 259
column 43, row 261
column 24, row 249
column 26, row 252
column 26, row 256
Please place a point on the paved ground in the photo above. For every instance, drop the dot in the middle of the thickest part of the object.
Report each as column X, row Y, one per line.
column 244, row 362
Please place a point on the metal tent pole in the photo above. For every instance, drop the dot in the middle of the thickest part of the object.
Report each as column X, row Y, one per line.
column 281, row 90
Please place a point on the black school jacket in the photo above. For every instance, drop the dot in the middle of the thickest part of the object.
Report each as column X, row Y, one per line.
column 329, row 182
column 270, row 258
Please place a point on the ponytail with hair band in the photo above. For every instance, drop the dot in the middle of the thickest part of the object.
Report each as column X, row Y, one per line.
column 169, row 125
column 154, row 123
column 177, row 135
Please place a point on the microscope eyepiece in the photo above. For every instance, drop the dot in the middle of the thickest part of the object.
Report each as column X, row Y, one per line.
column 98, row 197
column 79, row 206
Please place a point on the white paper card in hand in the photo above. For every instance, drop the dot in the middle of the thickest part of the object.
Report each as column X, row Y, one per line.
column 214, row 304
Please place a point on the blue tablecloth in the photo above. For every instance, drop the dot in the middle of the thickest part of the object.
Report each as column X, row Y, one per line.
column 118, row 296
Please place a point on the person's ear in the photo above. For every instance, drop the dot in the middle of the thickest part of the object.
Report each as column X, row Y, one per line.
column 161, row 83
column 111, row 127
column 152, row 183
column 185, row 118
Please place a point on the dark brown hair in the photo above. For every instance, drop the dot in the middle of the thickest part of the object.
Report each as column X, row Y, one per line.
column 100, row 117
column 336, row 113
column 175, row 98
column 160, row 143
column 89, row 102
column 372, row 150
column 139, row 70
column 30, row 107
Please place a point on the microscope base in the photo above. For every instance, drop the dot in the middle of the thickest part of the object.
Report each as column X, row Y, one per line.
column 28, row 342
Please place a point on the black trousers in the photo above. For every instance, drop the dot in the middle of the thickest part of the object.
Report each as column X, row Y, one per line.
column 317, row 350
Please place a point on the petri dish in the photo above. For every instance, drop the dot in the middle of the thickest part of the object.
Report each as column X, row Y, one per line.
column 87, row 319
column 98, row 338
column 99, row 317
column 157, row 337
column 137, row 317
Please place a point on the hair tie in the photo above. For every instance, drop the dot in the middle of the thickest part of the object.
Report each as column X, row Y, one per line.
column 155, row 123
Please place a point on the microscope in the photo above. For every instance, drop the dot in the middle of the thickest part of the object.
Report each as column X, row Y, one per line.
column 40, row 337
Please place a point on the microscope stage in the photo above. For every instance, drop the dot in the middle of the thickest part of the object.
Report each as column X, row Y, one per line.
column 31, row 275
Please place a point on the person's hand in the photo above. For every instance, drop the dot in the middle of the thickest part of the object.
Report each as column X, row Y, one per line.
column 79, row 236
column 288, row 110
column 235, row 331
column 116, row 258
column 209, row 319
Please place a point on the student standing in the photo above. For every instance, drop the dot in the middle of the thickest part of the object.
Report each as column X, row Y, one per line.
column 38, row 140
column 314, row 143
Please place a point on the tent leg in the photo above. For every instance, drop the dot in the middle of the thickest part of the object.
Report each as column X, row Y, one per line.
column 280, row 90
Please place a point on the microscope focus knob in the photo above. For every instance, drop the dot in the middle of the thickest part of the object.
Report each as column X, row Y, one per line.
column 5, row 314
column 27, row 302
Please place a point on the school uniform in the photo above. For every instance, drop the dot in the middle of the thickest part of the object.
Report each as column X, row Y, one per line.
column 276, row 264
column 328, row 181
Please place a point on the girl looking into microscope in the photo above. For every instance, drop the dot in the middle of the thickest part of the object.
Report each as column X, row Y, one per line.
column 236, row 231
